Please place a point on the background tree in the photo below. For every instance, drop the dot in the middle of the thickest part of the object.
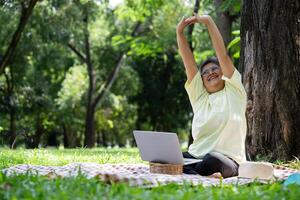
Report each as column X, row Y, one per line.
column 33, row 78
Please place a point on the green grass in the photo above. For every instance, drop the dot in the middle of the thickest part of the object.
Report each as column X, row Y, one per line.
column 57, row 157
column 37, row 187
column 33, row 187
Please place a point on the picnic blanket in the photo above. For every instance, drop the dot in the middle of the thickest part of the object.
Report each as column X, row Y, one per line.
column 134, row 174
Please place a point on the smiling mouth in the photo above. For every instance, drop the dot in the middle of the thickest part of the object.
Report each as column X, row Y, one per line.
column 212, row 77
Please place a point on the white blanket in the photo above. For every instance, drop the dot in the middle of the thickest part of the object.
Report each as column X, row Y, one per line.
column 133, row 174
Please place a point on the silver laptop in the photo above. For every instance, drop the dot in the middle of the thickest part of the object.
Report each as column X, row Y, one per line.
column 160, row 147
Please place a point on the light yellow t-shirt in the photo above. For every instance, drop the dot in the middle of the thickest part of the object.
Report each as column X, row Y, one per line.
column 219, row 122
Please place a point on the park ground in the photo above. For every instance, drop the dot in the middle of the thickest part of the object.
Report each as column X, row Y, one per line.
column 38, row 187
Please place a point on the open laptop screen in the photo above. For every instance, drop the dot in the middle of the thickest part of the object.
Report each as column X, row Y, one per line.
column 160, row 147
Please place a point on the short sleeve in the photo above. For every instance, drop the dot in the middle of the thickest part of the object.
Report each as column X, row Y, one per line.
column 195, row 88
column 236, row 82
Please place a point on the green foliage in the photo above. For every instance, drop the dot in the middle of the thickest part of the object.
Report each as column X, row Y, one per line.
column 116, row 122
column 50, row 80
column 138, row 10
column 73, row 87
column 233, row 6
column 234, row 45
column 203, row 55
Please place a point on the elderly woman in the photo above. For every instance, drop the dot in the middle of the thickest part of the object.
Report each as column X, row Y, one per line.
column 218, row 100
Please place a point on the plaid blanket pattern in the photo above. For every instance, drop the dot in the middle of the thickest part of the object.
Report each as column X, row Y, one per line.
column 133, row 174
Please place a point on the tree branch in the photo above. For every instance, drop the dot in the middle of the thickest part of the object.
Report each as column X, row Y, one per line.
column 191, row 27
column 110, row 80
column 77, row 52
column 113, row 75
column 25, row 14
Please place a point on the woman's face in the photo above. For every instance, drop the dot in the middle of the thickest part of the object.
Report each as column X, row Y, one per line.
column 212, row 77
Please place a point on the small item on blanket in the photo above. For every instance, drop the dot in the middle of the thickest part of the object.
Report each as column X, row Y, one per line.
column 159, row 168
column 253, row 170
column 292, row 179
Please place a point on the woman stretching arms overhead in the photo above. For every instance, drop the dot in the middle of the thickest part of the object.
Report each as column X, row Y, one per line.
column 218, row 100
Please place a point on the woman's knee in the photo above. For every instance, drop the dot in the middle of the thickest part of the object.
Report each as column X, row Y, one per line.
column 208, row 166
column 216, row 162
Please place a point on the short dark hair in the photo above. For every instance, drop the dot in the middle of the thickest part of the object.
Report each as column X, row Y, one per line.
column 209, row 60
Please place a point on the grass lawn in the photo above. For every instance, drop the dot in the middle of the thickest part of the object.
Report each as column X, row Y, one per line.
column 37, row 187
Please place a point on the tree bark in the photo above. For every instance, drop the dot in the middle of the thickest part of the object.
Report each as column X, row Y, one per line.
column 104, row 139
column 12, row 127
column 52, row 139
column 69, row 139
column 11, row 104
column 25, row 14
column 191, row 27
column 270, row 59
column 224, row 22
column 89, row 139
column 34, row 140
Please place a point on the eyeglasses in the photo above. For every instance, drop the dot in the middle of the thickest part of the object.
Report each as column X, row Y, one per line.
column 213, row 69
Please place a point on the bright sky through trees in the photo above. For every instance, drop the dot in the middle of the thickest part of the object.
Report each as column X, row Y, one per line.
column 114, row 3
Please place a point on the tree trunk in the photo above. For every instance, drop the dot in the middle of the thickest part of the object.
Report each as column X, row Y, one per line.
column 270, row 59
column 69, row 138
column 52, row 139
column 65, row 136
column 9, row 78
column 224, row 22
column 161, row 123
column 34, row 141
column 191, row 27
column 89, row 139
column 12, row 127
column 104, row 139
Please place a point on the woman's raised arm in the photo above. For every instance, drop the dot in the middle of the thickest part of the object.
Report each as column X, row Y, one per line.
column 217, row 41
column 185, row 50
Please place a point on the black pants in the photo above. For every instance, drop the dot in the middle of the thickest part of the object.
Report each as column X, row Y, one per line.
column 212, row 162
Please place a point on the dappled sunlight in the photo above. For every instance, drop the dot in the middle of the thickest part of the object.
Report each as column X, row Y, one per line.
column 61, row 157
